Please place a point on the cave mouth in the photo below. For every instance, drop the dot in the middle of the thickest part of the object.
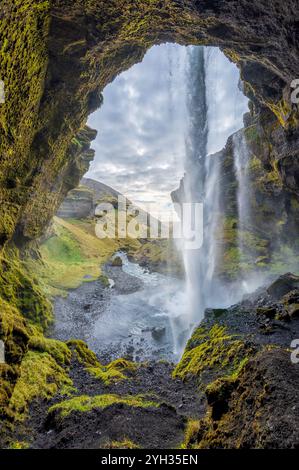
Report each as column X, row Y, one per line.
column 57, row 61
column 160, row 125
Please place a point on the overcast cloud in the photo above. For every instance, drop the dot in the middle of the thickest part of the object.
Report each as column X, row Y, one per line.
column 140, row 146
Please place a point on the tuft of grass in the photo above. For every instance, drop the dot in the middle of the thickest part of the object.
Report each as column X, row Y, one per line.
column 114, row 372
column 19, row 445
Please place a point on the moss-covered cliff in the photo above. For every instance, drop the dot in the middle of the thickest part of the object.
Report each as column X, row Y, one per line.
column 61, row 54
column 56, row 58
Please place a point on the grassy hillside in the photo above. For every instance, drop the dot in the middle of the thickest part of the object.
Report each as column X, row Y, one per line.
column 73, row 254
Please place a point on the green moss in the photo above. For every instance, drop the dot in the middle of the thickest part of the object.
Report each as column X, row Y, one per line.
column 19, row 445
column 124, row 444
column 23, row 62
column 83, row 404
column 116, row 371
column 82, row 353
column 211, row 349
column 255, row 166
column 252, row 135
column 14, row 332
column 270, row 180
column 57, row 349
column 40, row 377
column 282, row 110
column 20, row 289
column 104, row 280
column 191, row 432
column 284, row 259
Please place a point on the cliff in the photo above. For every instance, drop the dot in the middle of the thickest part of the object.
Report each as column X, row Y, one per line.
column 64, row 53
column 54, row 65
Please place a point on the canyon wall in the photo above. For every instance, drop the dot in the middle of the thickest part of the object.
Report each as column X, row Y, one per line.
column 55, row 64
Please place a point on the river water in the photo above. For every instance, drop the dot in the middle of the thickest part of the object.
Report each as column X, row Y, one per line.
column 141, row 316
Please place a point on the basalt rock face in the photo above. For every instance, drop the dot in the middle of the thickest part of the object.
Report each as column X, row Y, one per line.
column 253, row 398
column 63, row 53
column 265, row 396
column 268, row 236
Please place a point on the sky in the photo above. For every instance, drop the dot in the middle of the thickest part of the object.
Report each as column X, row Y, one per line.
column 142, row 124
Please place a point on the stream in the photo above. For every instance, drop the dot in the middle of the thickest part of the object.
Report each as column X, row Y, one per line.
column 139, row 317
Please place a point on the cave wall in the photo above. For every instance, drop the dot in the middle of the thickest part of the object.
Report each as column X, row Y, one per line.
column 61, row 55
column 55, row 59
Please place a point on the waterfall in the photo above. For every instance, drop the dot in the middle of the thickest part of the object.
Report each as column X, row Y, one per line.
column 195, row 171
column 241, row 160
column 212, row 103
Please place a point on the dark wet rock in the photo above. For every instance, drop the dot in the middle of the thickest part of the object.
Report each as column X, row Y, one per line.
column 259, row 409
column 214, row 312
column 293, row 310
column 283, row 285
column 158, row 333
column 152, row 428
column 268, row 312
column 117, row 262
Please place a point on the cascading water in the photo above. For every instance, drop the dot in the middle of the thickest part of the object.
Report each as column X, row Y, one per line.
column 202, row 180
column 194, row 180
column 241, row 160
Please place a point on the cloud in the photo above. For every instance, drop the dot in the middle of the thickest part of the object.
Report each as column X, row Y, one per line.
column 140, row 146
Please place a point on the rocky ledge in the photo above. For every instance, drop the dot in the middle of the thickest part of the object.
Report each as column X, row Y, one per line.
column 234, row 387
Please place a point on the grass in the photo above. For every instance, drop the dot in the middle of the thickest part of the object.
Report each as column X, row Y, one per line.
column 113, row 372
column 124, row 444
column 74, row 254
column 84, row 403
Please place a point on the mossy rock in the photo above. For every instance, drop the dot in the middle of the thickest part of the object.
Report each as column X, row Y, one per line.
column 116, row 371
column 40, row 377
column 117, row 262
column 85, row 404
column 211, row 352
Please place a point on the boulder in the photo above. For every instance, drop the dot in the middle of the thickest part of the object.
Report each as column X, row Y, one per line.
column 158, row 333
column 117, row 261
column 283, row 285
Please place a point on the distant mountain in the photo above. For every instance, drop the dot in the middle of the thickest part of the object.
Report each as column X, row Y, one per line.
column 100, row 190
column 80, row 203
